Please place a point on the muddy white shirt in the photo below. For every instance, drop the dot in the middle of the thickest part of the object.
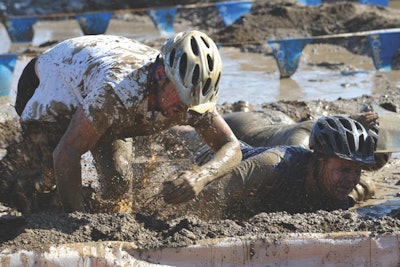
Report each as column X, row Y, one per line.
column 106, row 74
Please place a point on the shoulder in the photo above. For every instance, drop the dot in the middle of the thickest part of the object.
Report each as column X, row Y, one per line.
column 102, row 45
column 281, row 155
column 295, row 153
column 99, row 40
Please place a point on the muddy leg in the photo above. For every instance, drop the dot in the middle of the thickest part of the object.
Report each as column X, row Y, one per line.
column 40, row 146
column 42, row 139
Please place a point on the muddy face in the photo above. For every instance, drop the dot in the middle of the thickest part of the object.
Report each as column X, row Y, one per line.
column 339, row 177
column 169, row 101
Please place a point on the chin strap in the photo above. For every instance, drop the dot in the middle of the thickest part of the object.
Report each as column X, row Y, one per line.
column 154, row 90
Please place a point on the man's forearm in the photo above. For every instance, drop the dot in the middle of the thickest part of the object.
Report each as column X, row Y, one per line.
column 225, row 159
column 69, row 182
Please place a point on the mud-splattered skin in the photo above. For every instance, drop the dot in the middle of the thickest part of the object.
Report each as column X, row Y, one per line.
column 102, row 86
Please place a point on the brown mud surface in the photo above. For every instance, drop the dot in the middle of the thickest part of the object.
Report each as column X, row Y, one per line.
column 149, row 222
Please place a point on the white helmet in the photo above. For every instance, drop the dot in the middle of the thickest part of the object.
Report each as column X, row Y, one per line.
column 194, row 65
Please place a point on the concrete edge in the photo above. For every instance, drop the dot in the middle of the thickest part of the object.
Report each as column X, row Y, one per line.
column 305, row 249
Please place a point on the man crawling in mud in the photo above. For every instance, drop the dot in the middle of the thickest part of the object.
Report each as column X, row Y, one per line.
column 292, row 178
column 89, row 93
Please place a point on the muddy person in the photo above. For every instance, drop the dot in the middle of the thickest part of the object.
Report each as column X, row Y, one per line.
column 293, row 178
column 92, row 93
column 267, row 129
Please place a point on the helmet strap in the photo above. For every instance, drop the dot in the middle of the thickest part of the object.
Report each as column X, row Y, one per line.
column 154, row 88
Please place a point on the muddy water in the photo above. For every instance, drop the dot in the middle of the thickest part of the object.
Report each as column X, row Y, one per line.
column 246, row 76
column 255, row 77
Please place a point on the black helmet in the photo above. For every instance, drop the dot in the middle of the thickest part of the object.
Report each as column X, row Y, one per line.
column 342, row 137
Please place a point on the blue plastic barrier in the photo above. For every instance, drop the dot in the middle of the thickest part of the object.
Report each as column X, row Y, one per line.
column 287, row 54
column 310, row 2
column 384, row 46
column 163, row 19
column 94, row 23
column 20, row 29
column 231, row 11
column 7, row 64
column 375, row 2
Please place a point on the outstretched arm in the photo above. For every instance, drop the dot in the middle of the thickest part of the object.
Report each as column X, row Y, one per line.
column 79, row 138
column 217, row 134
column 367, row 119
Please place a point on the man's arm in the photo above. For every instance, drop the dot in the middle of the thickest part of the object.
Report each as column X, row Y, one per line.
column 217, row 134
column 78, row 139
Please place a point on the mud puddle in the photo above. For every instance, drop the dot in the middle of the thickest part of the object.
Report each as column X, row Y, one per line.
column 325, row 72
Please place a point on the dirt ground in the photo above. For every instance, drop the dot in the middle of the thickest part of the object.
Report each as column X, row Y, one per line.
column 152, row 223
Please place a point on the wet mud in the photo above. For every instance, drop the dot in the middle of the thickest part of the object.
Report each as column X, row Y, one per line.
column 148, row 221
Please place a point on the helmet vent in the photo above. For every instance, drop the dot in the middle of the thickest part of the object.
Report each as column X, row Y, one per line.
column 172, row 57
column 196, row 74
column 331, row 124
column 362, row 143
column 336, row 140
column 210, row 63
column 351, row 142
column 346, row 124
column 217, row 82
column 206, row 87
column 205, row 42
column 195, row 46
column 183, row 66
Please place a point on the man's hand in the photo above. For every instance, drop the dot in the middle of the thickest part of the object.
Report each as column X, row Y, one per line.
column 367, row 119
column 182, row 189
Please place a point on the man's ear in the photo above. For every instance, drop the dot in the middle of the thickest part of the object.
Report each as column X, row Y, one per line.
column 159, row 73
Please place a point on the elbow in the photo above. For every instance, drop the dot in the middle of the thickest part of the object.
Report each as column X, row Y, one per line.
column 236, row 153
